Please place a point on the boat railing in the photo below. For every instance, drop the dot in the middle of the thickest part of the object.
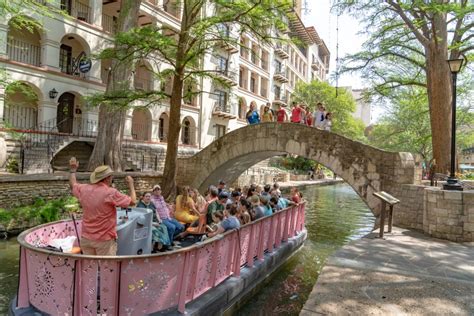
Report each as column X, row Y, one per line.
column 59, row 283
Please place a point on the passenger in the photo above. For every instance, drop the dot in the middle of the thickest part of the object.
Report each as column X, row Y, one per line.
column 163, row 209
column 230, row 222
column 295, row 195
column 236, row 196
column 99, row 201
column 274, row 204
column 221, row 186
column 243, row 212
column 264, row 202
column 256, row 207
column 217, row 203
column 186, row 211
column 276, row 189
column 258, row 189
column 247, row 208
column 217, row 217
column 284, row 203
column 199, row 200
column 266, row 191
column 160, row 237
column 251, row 191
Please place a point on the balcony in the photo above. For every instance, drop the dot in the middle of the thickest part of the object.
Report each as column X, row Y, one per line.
column 172, row 8
column 23, row 52
column 222, row 110
column 76, row 9
column 108, row 24
column 280, row 100
column 315, row 65
column 280, row 75
column 229, row 77
column 282, row 51
column 228, row 42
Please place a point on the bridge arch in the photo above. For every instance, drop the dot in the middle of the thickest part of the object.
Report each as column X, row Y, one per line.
column 366, row 169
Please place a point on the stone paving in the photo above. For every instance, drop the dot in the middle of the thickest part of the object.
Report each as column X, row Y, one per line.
column 406, row 273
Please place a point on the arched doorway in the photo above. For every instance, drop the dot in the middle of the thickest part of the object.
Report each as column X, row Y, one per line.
column 163, row 130
column 188, row 131
column 65, row 113
column 72, row 51
column 141, row 124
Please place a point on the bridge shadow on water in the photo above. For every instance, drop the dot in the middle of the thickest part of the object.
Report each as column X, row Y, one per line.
column 335, row 215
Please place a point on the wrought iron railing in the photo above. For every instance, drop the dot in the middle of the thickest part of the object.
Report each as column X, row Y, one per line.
column 24, row 52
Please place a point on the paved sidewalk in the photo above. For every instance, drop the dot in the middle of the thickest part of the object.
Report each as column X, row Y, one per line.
column 406, row 273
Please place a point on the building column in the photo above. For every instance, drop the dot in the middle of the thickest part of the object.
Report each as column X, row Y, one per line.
column 3, row 40
column 47, row 111
column 96, row 14
column 95, row 73
column 2, row 105
column 127, row 128
column 50, row 54
column 155, row 130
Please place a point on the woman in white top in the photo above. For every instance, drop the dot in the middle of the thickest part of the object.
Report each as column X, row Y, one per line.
column 327, row 122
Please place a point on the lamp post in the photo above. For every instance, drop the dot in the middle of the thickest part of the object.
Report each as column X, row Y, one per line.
column 452, row 183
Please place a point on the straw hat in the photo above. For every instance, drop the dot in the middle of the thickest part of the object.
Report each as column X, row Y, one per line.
column 100, row 173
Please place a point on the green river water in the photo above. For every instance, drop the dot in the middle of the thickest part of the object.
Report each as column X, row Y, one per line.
column 334, row 216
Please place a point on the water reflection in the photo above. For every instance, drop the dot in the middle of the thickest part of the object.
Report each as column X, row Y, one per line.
column 334, row 216
column 9, row 253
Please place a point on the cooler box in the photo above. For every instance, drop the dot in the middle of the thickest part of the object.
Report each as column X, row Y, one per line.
column 134, row 233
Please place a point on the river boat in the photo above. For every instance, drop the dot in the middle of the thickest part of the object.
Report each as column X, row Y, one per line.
column 56, row 283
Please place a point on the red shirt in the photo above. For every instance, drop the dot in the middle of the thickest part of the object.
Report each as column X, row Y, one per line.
column 296, row 115
column 98, row 203
column 296, row 198
column 281, row 115
column 309, row 119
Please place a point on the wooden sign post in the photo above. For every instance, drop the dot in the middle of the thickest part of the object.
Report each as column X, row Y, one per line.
column 391, row 201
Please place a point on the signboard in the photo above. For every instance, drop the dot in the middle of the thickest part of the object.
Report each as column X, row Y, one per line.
column 386, row 197
column 85, row 65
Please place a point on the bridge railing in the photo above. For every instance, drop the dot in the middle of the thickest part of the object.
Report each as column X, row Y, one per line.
column 59, row 283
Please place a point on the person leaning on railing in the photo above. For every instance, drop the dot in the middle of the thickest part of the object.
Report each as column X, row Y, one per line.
column 99, row 201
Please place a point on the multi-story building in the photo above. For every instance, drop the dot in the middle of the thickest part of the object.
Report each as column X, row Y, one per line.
column 55, row 78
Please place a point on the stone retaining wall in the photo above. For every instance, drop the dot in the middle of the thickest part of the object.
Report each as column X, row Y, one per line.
column 409, row 212
column 24, row 189
column 438, row 213
column 449, row 214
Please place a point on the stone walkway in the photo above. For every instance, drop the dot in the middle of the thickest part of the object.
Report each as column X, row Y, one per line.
column 406, row 273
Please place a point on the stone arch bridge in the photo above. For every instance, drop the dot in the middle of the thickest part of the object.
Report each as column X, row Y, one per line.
column 366, row 169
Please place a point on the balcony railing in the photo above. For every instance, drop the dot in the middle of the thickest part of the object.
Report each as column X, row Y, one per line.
column 81, row 11
column 229, row 76
column 280, row 75
column 108, row 23
column 23, row 52
column 172, row 8
column 282, row 51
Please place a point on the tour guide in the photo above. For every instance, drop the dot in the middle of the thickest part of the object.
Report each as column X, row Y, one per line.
column 99, row 201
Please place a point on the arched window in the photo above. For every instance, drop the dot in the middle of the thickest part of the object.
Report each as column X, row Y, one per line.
column 186, row 133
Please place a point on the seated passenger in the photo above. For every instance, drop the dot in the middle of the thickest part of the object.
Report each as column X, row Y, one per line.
column 230, row 222
column 199, row 200
column 163, row 210
column 265, row 205
column 243, row 212
column 160, row 237
column 185, row 211
column 256, row 207
column 216, row 203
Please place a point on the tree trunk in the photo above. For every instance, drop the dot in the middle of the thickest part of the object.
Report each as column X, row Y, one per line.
column 169, row 172
column 439, row 89
column 108, row 146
